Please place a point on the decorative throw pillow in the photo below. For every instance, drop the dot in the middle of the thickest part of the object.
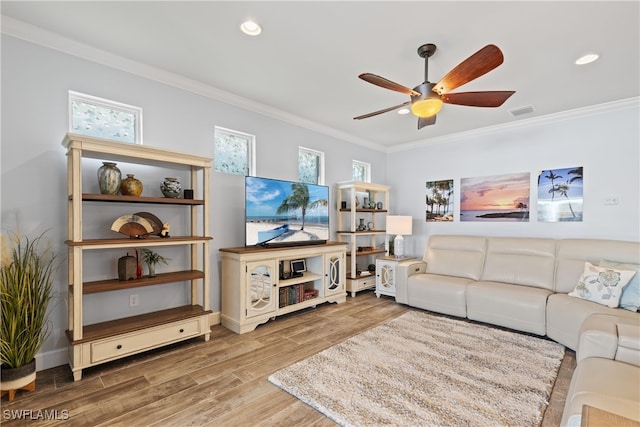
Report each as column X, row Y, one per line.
column 630, row 299
column 601, row 284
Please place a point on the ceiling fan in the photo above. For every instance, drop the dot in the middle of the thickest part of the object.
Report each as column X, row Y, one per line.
column 427, row 98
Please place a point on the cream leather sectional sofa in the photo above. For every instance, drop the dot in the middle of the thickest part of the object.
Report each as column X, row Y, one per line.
column 523, row 284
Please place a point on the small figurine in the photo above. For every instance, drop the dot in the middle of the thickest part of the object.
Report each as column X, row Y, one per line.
column 165, row 230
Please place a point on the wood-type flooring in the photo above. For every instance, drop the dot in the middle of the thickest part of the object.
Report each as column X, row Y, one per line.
column 222, row 382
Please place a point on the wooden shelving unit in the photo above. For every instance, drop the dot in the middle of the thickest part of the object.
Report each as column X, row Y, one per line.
column 369, row 241
column 92, row 344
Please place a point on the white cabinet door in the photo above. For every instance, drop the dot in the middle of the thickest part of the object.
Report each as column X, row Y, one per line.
column 385, row 278
column 335, row 275
column 260, row 288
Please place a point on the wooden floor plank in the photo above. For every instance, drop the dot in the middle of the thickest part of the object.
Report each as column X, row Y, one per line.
column 222, row 382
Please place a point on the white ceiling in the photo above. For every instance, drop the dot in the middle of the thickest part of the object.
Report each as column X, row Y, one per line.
column 304, row 66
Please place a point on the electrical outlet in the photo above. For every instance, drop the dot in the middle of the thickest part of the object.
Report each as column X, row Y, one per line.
column 611, row 200
column 134, row 300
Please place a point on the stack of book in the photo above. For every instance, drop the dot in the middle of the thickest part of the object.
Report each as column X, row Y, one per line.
column 295, row 294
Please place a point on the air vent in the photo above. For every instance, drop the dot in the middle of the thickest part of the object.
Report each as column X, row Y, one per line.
column 519, row 111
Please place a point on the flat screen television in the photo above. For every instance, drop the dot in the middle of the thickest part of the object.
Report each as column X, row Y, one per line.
column 285, row 213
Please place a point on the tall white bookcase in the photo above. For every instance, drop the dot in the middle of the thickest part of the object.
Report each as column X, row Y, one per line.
column 363, row 228
column 96, row 343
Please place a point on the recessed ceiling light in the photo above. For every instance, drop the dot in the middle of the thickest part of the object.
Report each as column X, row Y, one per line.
column 251, row 28
column 587, row 59
column 404, row 111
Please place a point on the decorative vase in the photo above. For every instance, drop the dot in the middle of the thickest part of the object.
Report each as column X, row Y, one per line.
column 131, row 186
column 22, row 377
column 171, row 187
column 127, row 266
column 152, row 269
column 109, row 178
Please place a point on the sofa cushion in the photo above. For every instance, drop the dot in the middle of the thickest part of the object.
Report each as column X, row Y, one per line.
column 565, row 315
column 442, row 294
column 630, row 299
column 520, row 261
column 605, row 384
column 460, row 256
column 522, row 308
column 573, row 253
column 602, row 285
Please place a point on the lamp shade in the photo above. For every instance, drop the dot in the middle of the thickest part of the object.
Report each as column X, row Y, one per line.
column 400, row 224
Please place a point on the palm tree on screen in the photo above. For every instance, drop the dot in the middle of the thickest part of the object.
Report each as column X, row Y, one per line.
column 299, row 199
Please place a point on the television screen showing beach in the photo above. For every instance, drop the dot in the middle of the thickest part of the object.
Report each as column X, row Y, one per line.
column 282, row 212
column 495, row 198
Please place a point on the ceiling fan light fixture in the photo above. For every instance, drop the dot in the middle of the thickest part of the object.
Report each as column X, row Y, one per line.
column 426, row 107
column 428, row 103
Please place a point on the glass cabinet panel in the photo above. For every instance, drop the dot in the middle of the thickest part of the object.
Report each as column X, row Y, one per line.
column 260, row 289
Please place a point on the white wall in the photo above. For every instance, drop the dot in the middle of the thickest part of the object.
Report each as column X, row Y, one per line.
column 604, row 140
column 35, row 85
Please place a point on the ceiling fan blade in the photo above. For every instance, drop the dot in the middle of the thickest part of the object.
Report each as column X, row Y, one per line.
column 375, row 113
column 426, row 121
column 387, row 84
column 478, row 64
column 478, row 99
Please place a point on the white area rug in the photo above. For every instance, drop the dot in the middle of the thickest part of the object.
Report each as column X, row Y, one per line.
column 426, row 370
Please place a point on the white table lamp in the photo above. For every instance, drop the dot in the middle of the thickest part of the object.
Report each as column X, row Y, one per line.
column 400, row 225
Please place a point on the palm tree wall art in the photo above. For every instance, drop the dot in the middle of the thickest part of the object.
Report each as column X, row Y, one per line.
column 560, row 194
column 439, row 200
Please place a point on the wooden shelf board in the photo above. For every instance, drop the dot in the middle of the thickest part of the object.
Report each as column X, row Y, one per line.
column 289, row 308
column 306, row 277
column 362, row 232
column 364, row 210
column 136, row 323
column 150, row 241
column 103, row 149
column 115, row 284
column 259, row 249
column 138, row 199
column 358, row 277
column 373, row 252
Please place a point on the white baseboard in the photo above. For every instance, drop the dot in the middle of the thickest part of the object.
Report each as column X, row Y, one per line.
column 51, row 359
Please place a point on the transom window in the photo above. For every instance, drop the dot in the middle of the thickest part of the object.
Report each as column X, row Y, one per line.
column 310, row 166
column 234, row 152
column 103, row 118
column 361, row 171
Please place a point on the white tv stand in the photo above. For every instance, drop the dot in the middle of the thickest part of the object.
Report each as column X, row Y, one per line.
column 253, row 292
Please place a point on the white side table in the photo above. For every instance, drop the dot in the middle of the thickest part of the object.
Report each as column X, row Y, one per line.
column 386, row 274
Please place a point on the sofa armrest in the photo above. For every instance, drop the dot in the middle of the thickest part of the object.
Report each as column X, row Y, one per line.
column 598, row 337
column 404, row 270
column 628, row 343
column 610, row 337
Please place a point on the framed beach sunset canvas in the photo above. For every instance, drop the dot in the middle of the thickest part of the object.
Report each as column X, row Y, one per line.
column 560, row 196
column 495, row 198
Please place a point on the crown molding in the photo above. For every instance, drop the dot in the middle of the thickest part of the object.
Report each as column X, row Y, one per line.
column 30, row 33
column 606, row 107
column 39, row 36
